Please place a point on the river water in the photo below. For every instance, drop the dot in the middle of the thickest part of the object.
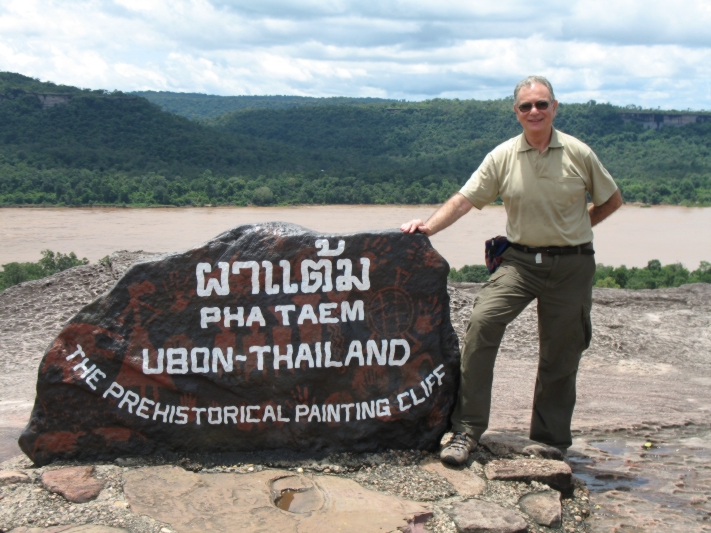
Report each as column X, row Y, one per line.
column 632, row 236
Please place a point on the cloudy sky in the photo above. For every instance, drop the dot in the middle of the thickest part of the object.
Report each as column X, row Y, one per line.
column 645, row 52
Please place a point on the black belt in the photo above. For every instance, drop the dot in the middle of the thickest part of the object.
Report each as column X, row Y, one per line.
column 582, row 249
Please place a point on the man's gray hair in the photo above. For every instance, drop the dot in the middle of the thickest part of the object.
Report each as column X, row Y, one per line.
column 530, row 81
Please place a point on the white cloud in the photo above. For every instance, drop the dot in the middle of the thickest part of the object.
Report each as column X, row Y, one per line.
column 651, row 53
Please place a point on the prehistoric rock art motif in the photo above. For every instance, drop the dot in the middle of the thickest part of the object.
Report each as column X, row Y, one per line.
column 269, row 336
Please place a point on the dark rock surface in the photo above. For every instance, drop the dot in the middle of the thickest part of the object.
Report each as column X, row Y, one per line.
column 77, row 484
column 220, row 349
column 556, row 474
column 477, row 516
column 543, row 507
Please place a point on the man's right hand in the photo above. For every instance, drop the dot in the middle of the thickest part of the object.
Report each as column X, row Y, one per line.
column 416, row 225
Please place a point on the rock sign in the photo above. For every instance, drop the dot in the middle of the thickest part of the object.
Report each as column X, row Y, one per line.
column 269, row 336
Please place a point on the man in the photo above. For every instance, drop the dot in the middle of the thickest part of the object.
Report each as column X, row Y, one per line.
column 542, row 176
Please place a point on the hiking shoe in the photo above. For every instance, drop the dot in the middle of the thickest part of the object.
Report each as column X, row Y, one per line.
column 457, row 451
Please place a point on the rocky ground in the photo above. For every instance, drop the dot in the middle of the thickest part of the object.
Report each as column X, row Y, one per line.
column 641, row 439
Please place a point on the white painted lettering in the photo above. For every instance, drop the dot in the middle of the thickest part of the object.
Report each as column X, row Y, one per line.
column 177, row 360
column 269, row 413
column 311, row 272
column 287, row 357
column 288, row 287
column 307, row 313
column 209, row 315
column 415, row 399
column 324, row 311
column 255, row 315
column 78, row 351
column 367, row 409
column 382, row 407
column 354, row 313
column 145, row 404
column 205, row 367
column 221, row 288
column 424, row 388
column 334, row 413
column 86, row 370
column 239, row 316
column 398, row 342
column 260, row 351
column 159, row 363
column 301, row 411
column 355, row 351
column 269, row 286
column 348, row 280
column 157, row 412
column 324, row 251
column 215, row 418
column 381, row 356
column 226, row 361
column 437, row 373
column 94, row 377
column 317, row 348
column 347, row 408
column 249, row 410
column 279, row 417
column 182, row 413
column 328, row 363
column 230, row 413
column 239, row 265
column 315, row 413
column 130, row 399
column 198, row 410
column 304, row 355
column 401, row 403
column 284, row 310
column 114, row 390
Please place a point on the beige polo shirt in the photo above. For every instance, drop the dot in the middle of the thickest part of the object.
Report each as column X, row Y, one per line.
column 544, row 194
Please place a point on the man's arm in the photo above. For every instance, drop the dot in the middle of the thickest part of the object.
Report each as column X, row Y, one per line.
column 447, row 214
column 601, row 212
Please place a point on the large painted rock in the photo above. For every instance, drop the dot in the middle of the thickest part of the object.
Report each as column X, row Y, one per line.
column 269, row 336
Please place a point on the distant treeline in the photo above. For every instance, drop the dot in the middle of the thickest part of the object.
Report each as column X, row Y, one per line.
column 106, row 149
column 51, row 263
column 200, row 106
column 653, row 276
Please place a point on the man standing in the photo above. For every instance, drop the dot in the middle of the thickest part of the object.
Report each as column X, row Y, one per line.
column 542, row 176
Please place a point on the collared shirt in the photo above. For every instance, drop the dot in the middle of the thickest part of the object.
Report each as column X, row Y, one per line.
column 544, row 193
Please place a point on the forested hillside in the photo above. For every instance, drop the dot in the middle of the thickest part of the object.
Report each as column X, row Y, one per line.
column 112, row 148
column 198, row 106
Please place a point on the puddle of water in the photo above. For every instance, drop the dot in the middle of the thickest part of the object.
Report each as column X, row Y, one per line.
column 662, row 488
column 284, row 501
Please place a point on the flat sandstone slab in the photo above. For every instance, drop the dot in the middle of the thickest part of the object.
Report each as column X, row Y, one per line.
column 467, row 483
column 76, row 483
column 556, row 474
column 477, row 516
column 197, row 502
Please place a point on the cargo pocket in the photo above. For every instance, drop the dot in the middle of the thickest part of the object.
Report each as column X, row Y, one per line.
column 587, row 327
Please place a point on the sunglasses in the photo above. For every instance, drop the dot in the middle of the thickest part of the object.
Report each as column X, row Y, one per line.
column 541, row 105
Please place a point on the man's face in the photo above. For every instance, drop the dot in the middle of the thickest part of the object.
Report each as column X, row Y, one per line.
column 535, row 121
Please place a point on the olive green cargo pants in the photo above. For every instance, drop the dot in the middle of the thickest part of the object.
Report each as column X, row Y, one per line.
column 562, row 284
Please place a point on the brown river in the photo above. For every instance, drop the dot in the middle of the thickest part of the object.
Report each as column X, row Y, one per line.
column 632, row 236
